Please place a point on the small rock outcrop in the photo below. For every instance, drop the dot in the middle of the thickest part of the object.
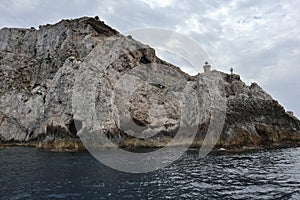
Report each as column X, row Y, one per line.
column 41, row 69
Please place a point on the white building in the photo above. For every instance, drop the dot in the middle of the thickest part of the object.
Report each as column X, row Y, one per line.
column 206, row 67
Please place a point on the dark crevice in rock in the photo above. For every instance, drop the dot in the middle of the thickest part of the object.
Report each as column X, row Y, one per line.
column 75, row 126
column 145, row 60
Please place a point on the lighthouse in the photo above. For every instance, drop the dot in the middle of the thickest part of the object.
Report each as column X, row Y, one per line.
column 206, row 67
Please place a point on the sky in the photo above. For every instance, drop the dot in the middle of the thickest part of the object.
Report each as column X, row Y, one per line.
column 260, row 39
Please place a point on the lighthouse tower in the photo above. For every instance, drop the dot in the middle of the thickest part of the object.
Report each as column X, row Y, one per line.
column 206, row 67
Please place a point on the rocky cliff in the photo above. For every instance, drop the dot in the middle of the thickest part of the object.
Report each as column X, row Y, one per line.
column 63, row 80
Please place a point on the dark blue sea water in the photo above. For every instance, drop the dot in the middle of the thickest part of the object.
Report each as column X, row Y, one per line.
column 27, row 173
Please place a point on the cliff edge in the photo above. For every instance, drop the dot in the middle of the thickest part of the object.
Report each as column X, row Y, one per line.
column 41, row 69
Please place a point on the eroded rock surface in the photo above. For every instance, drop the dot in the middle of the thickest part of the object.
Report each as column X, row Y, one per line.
column 81, row 78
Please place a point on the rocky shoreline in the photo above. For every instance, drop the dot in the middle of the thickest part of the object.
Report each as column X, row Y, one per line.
column 74, row 147
column 41, row 69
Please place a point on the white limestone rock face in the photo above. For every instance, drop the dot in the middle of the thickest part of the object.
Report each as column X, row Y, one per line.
column 30, row 62
column 80, row 78
column 21, row 113
column 135, row 98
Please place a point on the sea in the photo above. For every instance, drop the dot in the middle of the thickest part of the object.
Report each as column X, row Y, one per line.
column 29, row 173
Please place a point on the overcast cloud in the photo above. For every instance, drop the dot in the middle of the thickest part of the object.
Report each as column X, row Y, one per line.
column 259, row 39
